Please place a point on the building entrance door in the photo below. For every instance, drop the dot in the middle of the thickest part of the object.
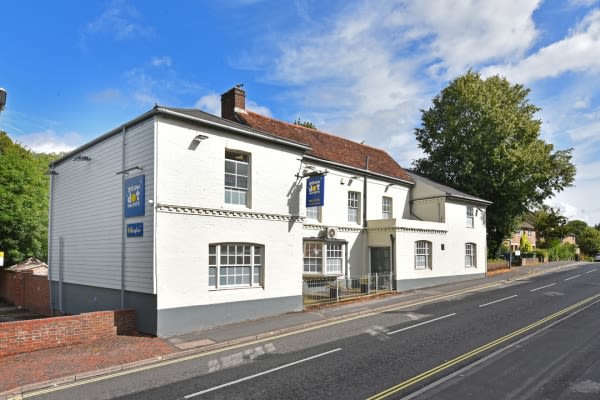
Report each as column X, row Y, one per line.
column 380, row 260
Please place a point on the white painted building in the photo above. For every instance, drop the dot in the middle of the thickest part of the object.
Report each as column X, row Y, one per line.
column 197, row 221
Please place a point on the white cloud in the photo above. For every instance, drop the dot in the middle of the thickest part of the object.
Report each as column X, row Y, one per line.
column 50, row 142
column 578, row 52
column 120, row 21
column 109, row 95
column 252, row 106
column 164, row 61
column 583, row 3
column 466, row 34
column 211, row 103
column 362, row 73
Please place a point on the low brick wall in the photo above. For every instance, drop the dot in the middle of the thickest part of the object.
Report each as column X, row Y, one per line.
column 26, row 290
column 39, row 334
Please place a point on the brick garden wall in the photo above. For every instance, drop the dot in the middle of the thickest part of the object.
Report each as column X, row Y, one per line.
column 38, row 334
column 26, row 290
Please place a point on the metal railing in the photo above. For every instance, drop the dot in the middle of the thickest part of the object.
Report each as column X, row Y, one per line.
column 326, row 290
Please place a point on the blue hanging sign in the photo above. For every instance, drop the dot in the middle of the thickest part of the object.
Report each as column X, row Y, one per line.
column 134, row 197
column 135, row 230
column 315, row 191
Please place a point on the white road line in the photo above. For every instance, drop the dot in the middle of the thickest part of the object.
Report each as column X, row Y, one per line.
column 573, row 277
column 498, row 301
column 261, row 373
column 589, row 272
column 543, row 287
column 422, row 323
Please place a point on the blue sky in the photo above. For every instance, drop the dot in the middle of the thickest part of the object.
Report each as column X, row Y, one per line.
column 361, row 69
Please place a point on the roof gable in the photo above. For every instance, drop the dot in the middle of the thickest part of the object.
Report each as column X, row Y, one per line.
column 329, row 147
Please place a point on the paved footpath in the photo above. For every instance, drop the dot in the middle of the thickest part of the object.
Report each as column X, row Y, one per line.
column 26, row 372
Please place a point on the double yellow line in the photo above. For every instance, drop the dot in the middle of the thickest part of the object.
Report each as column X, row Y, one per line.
column 442, row 367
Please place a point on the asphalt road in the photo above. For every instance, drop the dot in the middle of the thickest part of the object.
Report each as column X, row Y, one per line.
column 524, row 339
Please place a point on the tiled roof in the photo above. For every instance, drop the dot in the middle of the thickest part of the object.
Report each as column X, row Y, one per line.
column 328, row 147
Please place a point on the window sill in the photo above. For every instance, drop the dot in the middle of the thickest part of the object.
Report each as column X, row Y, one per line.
column 218, row 289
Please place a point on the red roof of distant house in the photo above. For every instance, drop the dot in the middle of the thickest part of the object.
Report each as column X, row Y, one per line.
column 328, row 147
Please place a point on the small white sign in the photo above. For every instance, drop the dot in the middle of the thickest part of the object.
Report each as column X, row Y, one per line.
column 1, row 259
column 517, row 253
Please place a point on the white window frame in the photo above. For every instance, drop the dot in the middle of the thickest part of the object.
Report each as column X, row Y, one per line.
column 354, row 207
column 387, row 204
column 423, row 259
column 314, row 213
column 323, row 258
column 470, row 217
column 470, row 255
column 229, row 264
column 334, row 260
column 236, row 182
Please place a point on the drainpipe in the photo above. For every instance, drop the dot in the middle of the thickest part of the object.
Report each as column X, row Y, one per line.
column 365, row 192
column 367, row 255
column 123, row 222
column 392, row 257
column 50, row 205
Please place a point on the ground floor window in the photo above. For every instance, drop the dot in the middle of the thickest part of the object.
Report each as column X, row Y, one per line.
column 470, row 255
column 317, row 254
column 235, row 265
column 422, row 254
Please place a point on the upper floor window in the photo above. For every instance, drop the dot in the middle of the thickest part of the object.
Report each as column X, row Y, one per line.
column 235, row 265
column 386, row 207
column 470, row 255
column 470, row 217
column 313, row 213
column 422, row 254
column 354, row 207
column 237, row 168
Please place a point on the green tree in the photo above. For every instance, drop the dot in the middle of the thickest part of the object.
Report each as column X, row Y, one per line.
column 23, row 202
column 525, row 244
column 481, row 136
column 589, row 241
column 306, row 124
column 549, row 223
column 576, row 227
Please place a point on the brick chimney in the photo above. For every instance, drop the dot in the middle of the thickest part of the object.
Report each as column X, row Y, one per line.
column 234, row 98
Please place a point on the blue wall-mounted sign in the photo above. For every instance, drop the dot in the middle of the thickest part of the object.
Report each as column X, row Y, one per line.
column 135, row 230
column 134, row 196
column 315, row 191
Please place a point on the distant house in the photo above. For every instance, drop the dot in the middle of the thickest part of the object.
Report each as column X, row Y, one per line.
column 31, row 265
column 525, row 229
column 569, row 239
column 196, row 220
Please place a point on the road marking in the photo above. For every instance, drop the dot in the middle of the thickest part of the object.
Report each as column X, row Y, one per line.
column 589, row 272
column 189, row 396
column 573, row 277
column 254, row 342
column 422, row 323
column 498, row 301
column 448, row 364
column 543, row 287
column 463, row 370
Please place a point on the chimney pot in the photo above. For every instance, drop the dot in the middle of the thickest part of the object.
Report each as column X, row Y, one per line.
column 232, row 99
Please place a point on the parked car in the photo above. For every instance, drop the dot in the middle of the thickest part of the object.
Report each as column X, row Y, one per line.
column 597, row 258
